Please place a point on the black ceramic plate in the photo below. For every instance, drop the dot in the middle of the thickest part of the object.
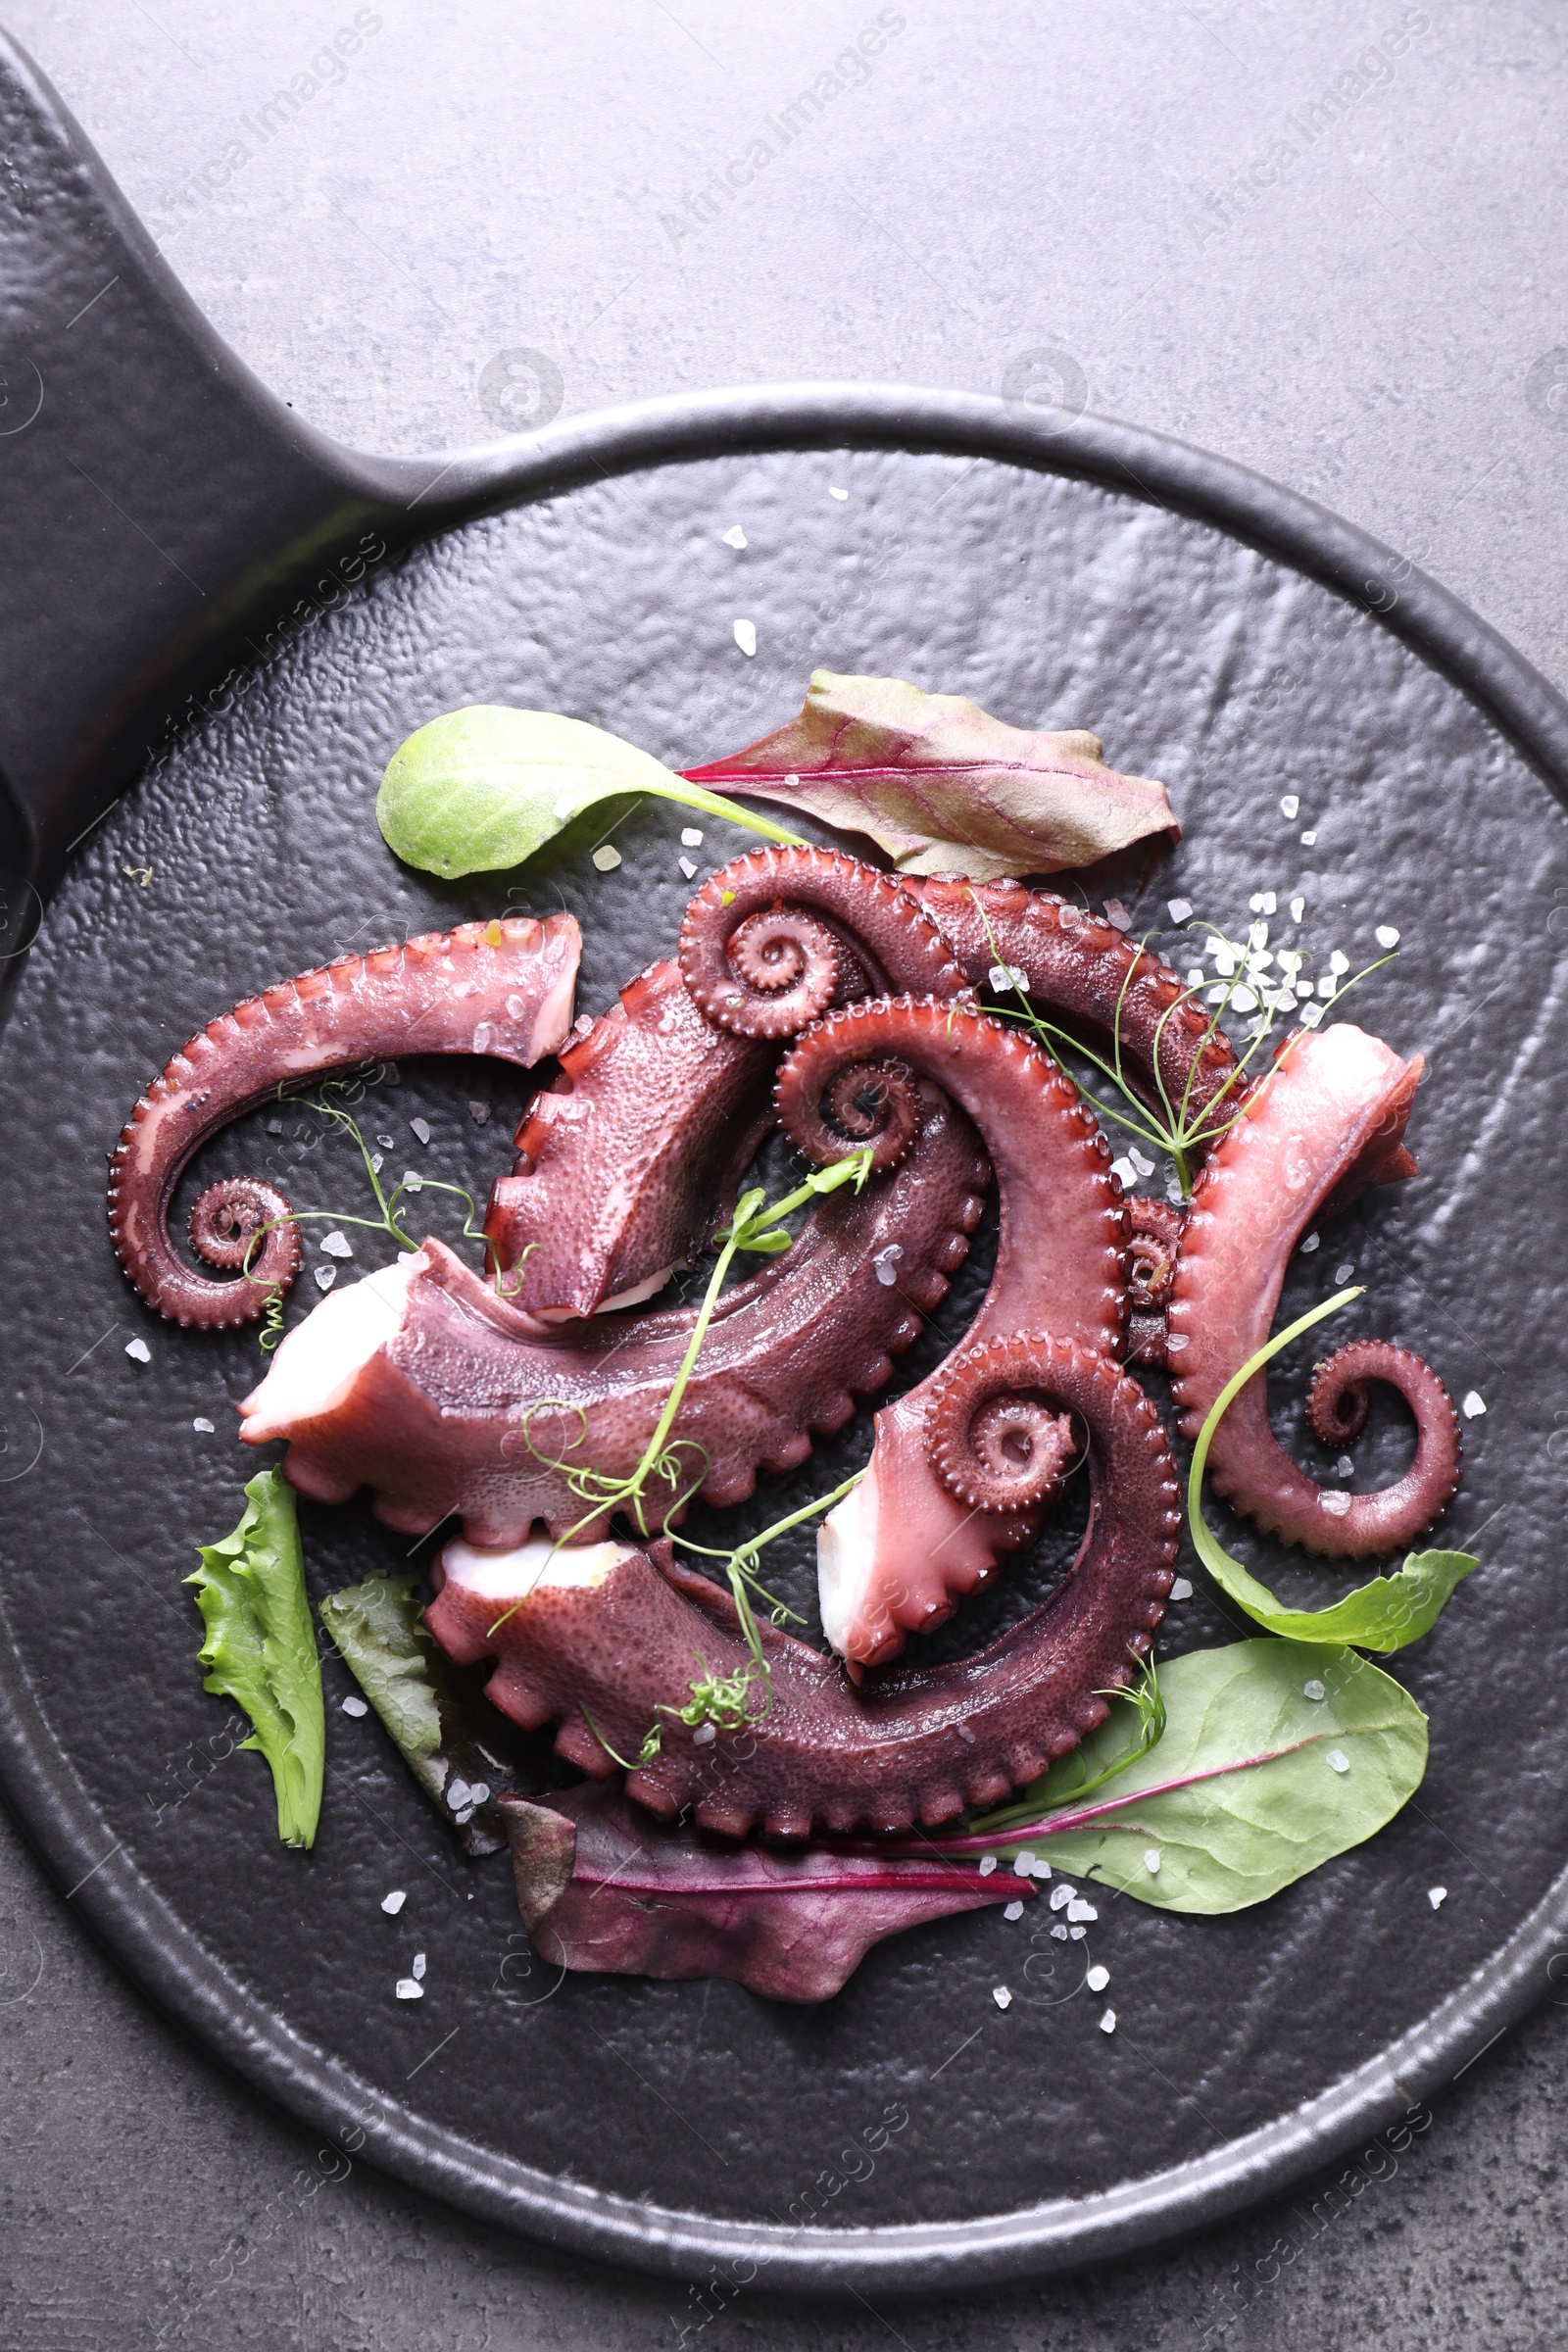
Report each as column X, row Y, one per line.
column 1216, row 635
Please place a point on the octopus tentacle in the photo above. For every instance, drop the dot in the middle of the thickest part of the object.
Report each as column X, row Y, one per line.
column 1088, row 971
column 1155, row 1231
column 896, row 1554
column 241, row 1222
column 632, row 1159
column 771, row 939
column 995, row 1443
column 1329, row 1120
column 1337, row 1404
column 501, row 988
column 597, row 1644
column 422, row 1383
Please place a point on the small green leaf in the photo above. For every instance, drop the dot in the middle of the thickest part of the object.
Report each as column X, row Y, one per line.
column 1254, row 1784
column 1383, row 1615
column 261, row 1648
column 484, row 788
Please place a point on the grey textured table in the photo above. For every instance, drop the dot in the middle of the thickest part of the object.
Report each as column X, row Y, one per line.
column 1328, row 242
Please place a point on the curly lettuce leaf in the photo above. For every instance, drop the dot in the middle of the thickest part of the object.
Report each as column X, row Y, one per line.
column 261, row 1650
column 942, row 786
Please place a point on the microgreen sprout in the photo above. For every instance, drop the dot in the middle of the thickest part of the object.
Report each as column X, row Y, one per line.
column 1177, row 1127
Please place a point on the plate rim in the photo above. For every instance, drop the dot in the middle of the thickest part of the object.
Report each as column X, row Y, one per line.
column 145, row 1935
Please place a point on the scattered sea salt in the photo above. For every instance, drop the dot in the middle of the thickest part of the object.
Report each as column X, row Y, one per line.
column 834, row 491
column 354, row 1706
column 1143, row 1165
column 201, row 1423
column 1339, row 961
column 388, row 1143
column 792, row 779
column 1002, row 1996
column 1152, row 1860
column 418, row 1970
column 746, row 637
column 1386, row 936
column 1077, row 1934
column 1180, row 909
column 1312, row 1014
column 705, row 1734
column 563, row 808
column 1079, row 1909
column 1297, row 910
column 479, row 1113
column 1176, row 1341
column 1338, row 1760
column 413, row 1181
column 1334, row 1503
column 1117, row 915
column 275, row 1126
column 1195, row 976
column 607, row 858
column 479, row 1793
column 1013, row 1911
column 1182, row 1589
column 1291, row 806
column 1309, row 841
column 457, row 1793
column 1437, row 1896
column 1263, row 902
column 1061, row 1934
column 410, row 1990
column 1061, row 1893
column 1345, row 1466
column 691, row 836
column 1125, row 1173
column 687, row 868
column 885, row 1264
column 1343, row 1271
column 1473, row 1405
column 1023, row 1865
column 1313, row 1688
column 1243, row 999
column 337, row 1244
column 393, row 1903
column 1311, row 1244
column 139, row 1352
column 420, row 1128
column 1291, row 961
column 1107, row 2023
column 735, row 537
column 998, row 978
column 1224, row 960
column 988, row 1863
column 325, row 1276
column 1097, row 1977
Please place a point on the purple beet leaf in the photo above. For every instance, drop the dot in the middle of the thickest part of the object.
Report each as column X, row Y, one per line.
column 601, row 1885
column 943, row 787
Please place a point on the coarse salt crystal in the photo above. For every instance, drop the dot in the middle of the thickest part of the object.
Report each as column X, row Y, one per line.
column 1023, row 1865
column 410, row 1990
column 479, row 1793
column 1345, row 1466
column 988, row 1863
column 1107, row 2023
column 354, row 1706
column 607, row 858
column 687, row 868
column 421, row 1128
column 885, row 1264
column 1002, row 1996
column 705, row 1734
column 1061, row 1894
column 1180, row 909
column 1327, row 988
column 1336, row 1504
column 735, row 537
column 1195, row 976
column 1013, row 1911
column 1312, row 1242
column 1386, row 936
column 418, row 1970
column 691, row 836
column 999, row 977
column 325, row 1276
column 1216, row 996
column 1297, row 910
column 1243, row 999
column 1079, row 1909
column 746, row 637
column 792, row 779
column 1290, row 804
column 1339, row 961
column 564, row 807
column 1077, row 1934
column 1061, row 1934
column 834, row 491
column 1176, row 1341
column 413, row 1181
column 1182, row 1589
column 201, row 1423
column 1338, row 1760
column 393, row 1903
column 1143, row 1165
column 1117, row 915
column 139, row 1352
column 1291, row 959
column 1309, row 840
column 479, row 1113
column 1343, row 1271
column 1312, row 1014
column 1473, row 1405
column 375, row 1164
column 1437, row 1896
column 1152, row 1860
column 1125, row 1173
column 337, row 1244
column 1097, row 1979
column 457, row 1793
column 1224, row 962
column 1041, row 1870
column 1313, row 1688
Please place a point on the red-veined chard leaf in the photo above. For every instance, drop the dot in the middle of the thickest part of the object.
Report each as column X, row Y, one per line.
column 1276, row 1756
column 601, row 1884
column 1382, row 1614
column 261, row 1648
column 942, row 786
column 482, row 789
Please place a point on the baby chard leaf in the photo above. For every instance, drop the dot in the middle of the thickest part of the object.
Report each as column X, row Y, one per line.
column 482, row 789
column 940, row 785
column 261, row 1648
column 1382, row 1615
column 1255, row 1783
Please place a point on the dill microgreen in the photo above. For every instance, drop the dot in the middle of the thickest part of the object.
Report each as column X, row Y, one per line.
column 1175, row 1127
